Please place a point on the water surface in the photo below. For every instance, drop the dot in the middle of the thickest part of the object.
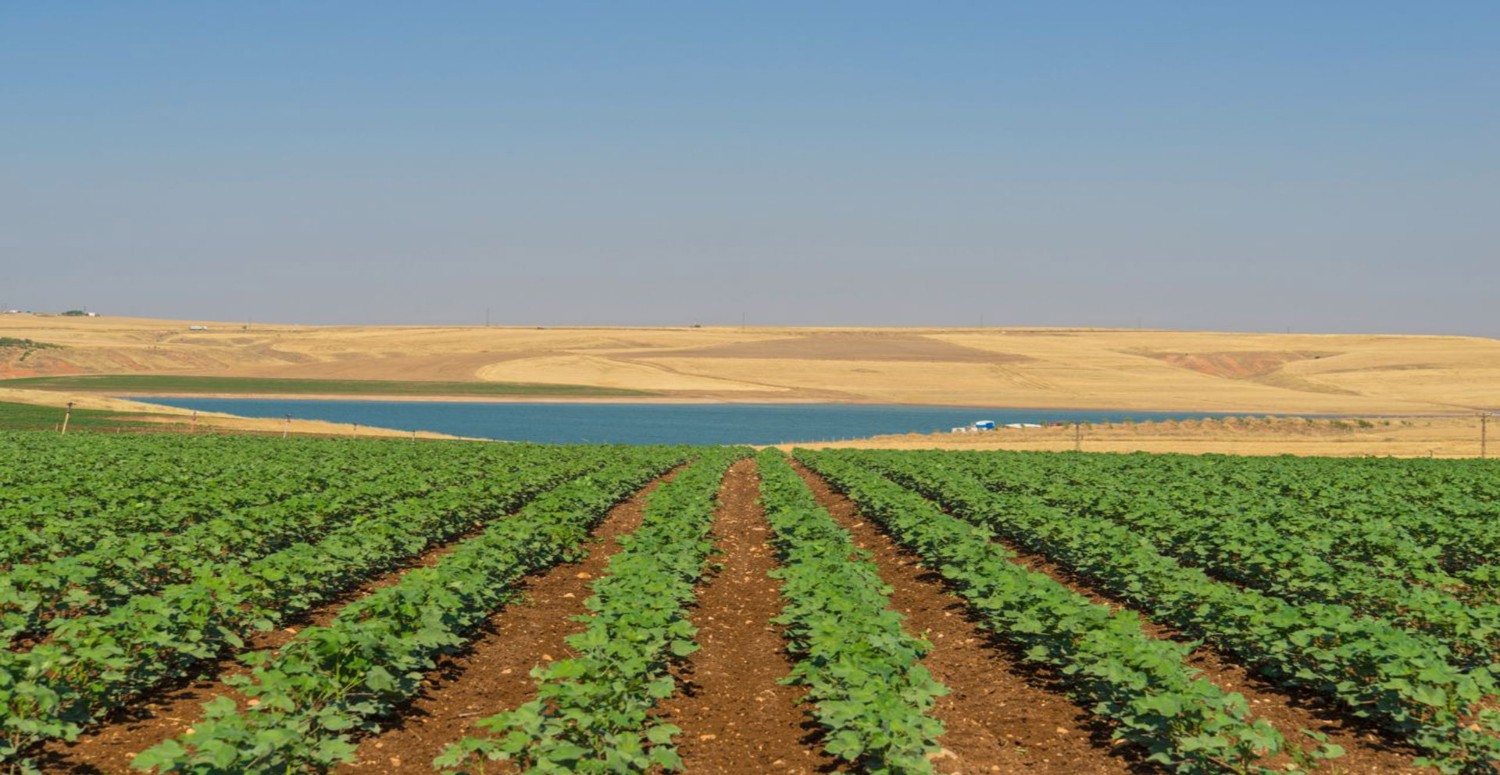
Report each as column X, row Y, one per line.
column 655, row 423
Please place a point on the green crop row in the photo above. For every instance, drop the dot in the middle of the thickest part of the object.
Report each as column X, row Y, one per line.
column 118, row 566
column 1259, row 547
column 1419, row 520
column 332, row 682
column 593, row 711
column 861, row 670
column 66, row 493
column 1141, row 685
column 94, row 664
column 1402, row 681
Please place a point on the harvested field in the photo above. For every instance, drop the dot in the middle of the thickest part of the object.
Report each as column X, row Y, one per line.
column 1040, row 368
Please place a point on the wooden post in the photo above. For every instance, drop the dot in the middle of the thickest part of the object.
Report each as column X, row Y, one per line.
column 193, row 426
column 354, row 434
column 1484, row 433
column 67, row 415
column 288, row 429
column 1077, row 437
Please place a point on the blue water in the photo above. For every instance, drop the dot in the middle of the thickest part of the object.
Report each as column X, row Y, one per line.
column 654, row 423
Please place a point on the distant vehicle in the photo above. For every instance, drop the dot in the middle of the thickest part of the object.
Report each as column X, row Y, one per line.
column 984, row 425
column 197, row 328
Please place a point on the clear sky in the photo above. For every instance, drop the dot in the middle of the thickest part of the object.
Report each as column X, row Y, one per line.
column 1312, row 166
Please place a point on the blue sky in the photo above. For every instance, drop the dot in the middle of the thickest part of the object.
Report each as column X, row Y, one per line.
column 1211, row 165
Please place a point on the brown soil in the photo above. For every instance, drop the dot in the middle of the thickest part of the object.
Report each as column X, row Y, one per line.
column 493, row 673
column 1236, row 365
column 999, row 714
column 734, row 714
column 844, row 346
column 1366, row 750
column 174, row 710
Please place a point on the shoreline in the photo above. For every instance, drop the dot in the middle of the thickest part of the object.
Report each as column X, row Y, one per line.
column 1404, row 435
column 758, row 401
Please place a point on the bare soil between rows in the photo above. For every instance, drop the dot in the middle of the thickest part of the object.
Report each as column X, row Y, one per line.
column 493, row 674
column 1367, row 751
column 173, row 710
column 1000, row 715
column 734, row 713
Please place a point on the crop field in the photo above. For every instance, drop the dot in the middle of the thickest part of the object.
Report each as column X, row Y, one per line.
column 230, row 604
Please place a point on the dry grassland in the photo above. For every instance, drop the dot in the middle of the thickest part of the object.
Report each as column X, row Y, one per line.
column 1447, row 437
column 1042, row 368
column 1133, row 370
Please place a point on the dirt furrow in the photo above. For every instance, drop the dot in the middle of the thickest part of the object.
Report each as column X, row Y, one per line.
column 174, row 710
column 734, row 714
column 1367, row 751
column 494, row 673
column 999, row 714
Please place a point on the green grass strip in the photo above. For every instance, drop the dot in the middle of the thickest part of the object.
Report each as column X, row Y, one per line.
column 30, row 417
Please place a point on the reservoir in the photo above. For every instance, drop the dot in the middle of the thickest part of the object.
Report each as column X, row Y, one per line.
column 641, row 423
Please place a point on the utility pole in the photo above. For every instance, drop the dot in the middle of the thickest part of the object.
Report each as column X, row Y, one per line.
column 67, row 415
column 486, row 317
